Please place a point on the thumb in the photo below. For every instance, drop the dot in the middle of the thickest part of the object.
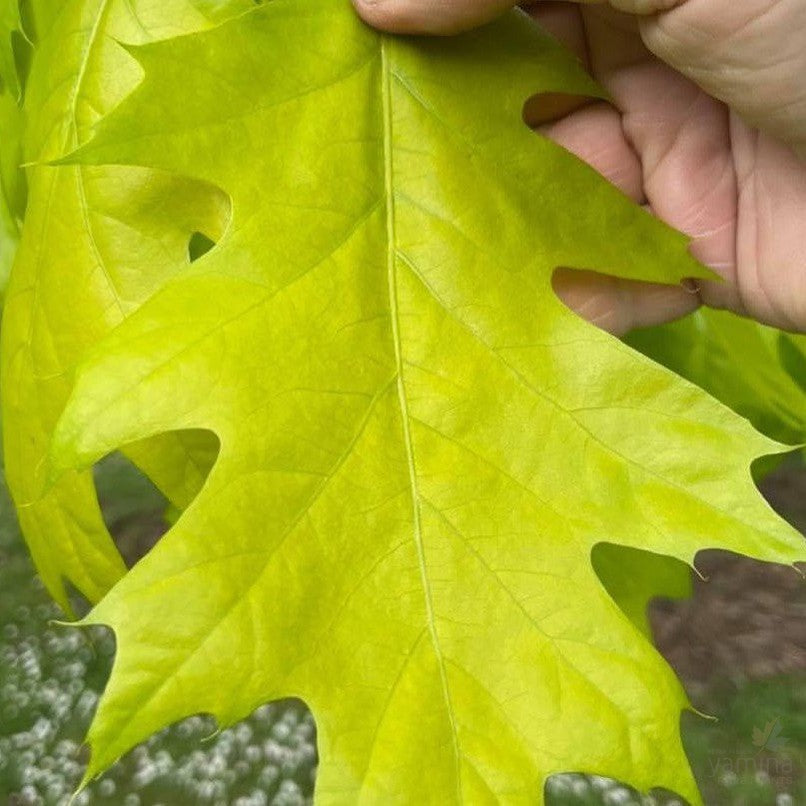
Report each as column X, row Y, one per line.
column 430, row 16
column 454, row 16
column 751, row 54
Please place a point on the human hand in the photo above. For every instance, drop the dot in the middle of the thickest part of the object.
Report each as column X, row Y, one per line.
column 708, row 129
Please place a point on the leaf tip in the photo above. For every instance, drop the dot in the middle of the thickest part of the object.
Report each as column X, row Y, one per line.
column 77, row 156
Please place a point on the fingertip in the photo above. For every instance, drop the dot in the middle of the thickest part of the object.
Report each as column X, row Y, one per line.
column 436, row 17
column 617, row 305
column 387, row 15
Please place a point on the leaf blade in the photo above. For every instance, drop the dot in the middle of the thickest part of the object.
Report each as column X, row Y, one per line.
column 392, row 414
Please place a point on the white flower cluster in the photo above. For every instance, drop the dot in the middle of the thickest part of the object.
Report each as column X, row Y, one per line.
column 51, row 677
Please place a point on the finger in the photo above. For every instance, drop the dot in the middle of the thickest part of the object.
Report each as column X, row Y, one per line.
column 590, row 130
column 770, row 249
column 429, row 16
column 617, row 305
column 564, row 22
column 595, row 135
column 681, row 136
column 749, row 54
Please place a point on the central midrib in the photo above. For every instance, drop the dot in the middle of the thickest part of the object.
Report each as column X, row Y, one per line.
column 387, row 44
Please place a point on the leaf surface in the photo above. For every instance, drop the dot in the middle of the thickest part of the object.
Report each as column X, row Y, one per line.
column 420, row 445
column 12, row 193
column 9, row 24
column 11, row 185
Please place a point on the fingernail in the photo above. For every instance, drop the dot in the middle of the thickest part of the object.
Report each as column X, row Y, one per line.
column 691, row 285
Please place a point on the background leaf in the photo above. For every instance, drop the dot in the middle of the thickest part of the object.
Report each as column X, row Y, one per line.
column 754, row 369
column 96, row 243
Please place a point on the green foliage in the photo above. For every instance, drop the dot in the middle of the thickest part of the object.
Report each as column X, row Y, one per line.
column 420, row 446
column 734, row 766
column 758, row 371
column 633, row 578
column 422, row 451
column 97, row 242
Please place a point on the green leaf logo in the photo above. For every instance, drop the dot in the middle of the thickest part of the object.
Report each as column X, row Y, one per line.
column 770, row 737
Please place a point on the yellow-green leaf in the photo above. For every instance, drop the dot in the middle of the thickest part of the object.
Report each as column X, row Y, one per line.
column 9, row 24
column 420, row 446
column 12, row 192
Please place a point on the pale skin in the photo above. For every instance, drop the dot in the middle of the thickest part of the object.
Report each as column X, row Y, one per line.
column 707, row 128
